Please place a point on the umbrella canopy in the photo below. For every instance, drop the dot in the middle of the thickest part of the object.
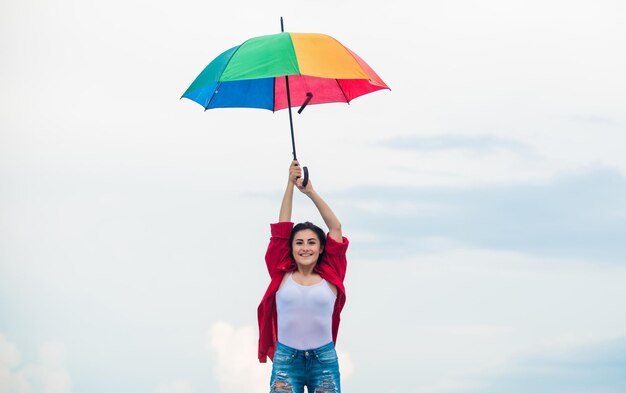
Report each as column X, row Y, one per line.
column 319, row 69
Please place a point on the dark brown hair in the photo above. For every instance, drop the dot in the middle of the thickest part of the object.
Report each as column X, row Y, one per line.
column 319, row 232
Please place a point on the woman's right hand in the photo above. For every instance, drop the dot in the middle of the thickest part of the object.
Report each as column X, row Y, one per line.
column 295, row 171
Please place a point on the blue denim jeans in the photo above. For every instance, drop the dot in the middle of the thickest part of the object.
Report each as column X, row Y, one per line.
column 317, row 368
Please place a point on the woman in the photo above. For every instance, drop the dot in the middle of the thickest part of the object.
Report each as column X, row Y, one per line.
column 299, row 314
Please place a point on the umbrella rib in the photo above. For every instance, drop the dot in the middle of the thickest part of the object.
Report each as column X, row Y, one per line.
column 233, row 55
column 342, row 92
column 274, row 95
column 352, row 54
column 217, row 88
column 219, row 82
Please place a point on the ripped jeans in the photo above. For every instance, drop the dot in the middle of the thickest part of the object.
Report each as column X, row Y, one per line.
column 317, row 368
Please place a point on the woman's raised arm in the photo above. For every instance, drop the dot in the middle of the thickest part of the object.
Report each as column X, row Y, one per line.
column 332, row 222
column 287, row 203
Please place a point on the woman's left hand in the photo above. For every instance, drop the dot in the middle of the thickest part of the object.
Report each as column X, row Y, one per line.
column 305, row 190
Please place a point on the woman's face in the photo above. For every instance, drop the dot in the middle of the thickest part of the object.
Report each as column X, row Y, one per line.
column 306, row 247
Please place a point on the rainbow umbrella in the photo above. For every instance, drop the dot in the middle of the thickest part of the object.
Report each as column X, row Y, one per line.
column 268, row 72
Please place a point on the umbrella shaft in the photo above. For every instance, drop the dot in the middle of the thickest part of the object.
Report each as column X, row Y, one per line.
column 293, row 139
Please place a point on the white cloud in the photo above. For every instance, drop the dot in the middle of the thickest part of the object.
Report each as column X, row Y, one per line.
column 11, row 381
column 236, row 366
column 54, row 376
column 49, row 375
column 346, row 365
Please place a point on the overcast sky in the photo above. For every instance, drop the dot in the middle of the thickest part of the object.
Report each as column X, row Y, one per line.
column 484, row 196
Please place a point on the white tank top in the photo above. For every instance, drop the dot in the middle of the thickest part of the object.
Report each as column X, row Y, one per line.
column 305, row 314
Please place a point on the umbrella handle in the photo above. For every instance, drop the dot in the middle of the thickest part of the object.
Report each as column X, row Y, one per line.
column 305, row 179
column 309, row 95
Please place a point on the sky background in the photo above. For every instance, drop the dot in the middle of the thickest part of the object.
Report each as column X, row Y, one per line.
column 484, row 196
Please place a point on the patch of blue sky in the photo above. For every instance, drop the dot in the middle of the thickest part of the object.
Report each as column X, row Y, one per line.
column 579, row 215
column 480, row 143
column 594, row 368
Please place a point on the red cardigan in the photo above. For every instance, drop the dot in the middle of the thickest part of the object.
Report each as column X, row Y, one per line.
column 279, row 260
